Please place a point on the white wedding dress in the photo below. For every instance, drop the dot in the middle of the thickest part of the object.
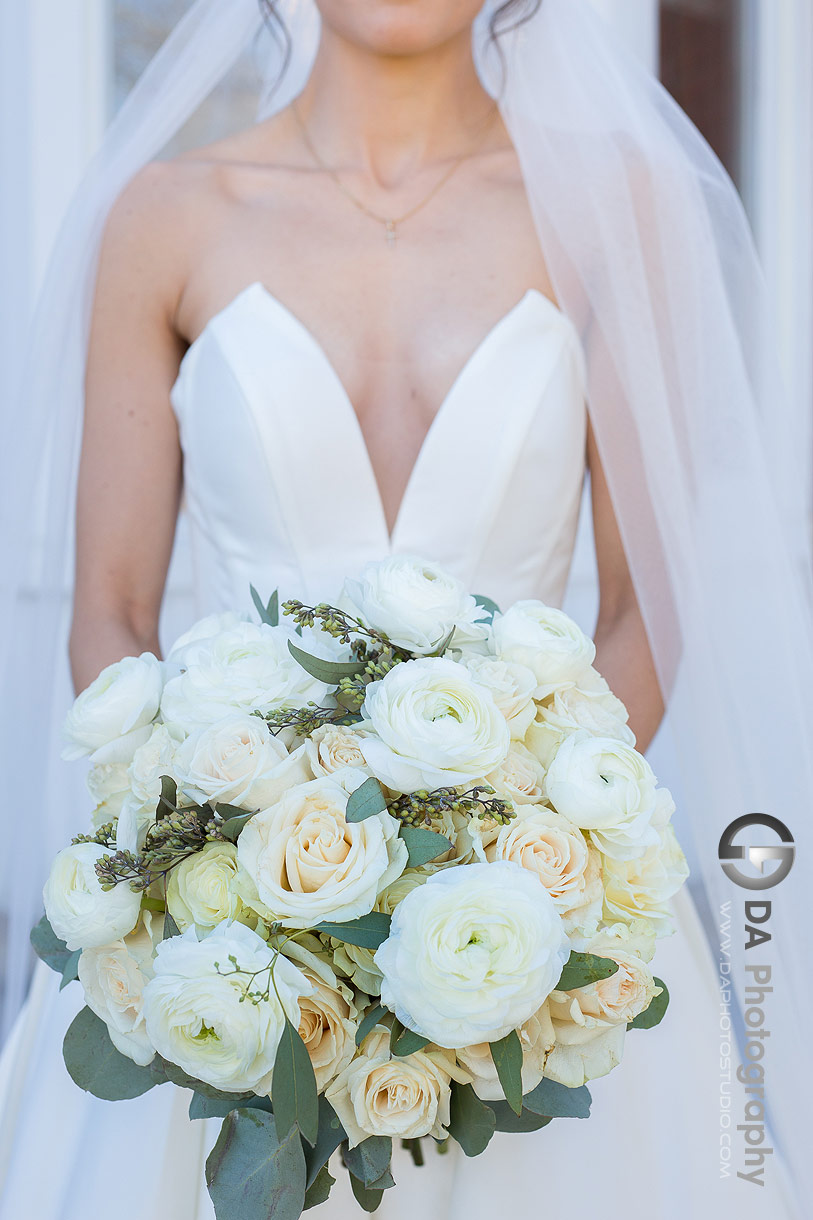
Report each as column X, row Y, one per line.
column 280, row 492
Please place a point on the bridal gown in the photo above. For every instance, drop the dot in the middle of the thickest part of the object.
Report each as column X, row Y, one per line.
column 280, row 492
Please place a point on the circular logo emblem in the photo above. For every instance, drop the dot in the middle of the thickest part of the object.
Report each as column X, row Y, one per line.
column 781, row 853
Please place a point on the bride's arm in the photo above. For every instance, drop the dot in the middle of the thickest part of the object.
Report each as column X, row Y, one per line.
column 623, row 655
column 130, row 469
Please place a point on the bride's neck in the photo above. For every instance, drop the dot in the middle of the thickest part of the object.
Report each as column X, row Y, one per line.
column 389, row 115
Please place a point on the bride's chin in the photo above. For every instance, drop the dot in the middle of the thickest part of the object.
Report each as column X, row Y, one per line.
column 398, row 27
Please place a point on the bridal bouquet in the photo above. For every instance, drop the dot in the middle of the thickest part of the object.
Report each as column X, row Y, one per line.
column 390, row 869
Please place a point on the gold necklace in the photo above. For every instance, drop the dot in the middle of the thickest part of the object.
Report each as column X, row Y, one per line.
column 390, row 223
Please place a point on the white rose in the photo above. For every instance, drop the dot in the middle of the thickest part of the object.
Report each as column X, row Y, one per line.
column 571, row 709
column 641, row 888
column 198, row 1017
column 332, row 747
column 246, row 668
column 309, row 864
column 193, row 644
column 113, row 978
column 556, row 851
column 608, row 788
column 536, row 1038
column 472, row 954
column 78, row 909
column 403, row 1097
column 152, row 760
column 237, row 761
column 328, row 1016
column 590, row 1022
column 512, row 687
column 433, row 726
column 414, row 602
column 546, row 640
column 123, row 699
column 108, row 785
column 519, row 777
column 201, row 892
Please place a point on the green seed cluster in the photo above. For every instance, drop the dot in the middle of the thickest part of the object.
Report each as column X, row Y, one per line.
column 424, row 808
column 105, row 836
column 180, row 834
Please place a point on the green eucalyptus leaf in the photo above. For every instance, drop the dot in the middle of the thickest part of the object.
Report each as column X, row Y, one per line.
column 423, row 845
column 654, row 1013
column 253, row 1175
column 70, row 971
column 370, row 1159
column 170, row 927
column 183, row 1080
column 96, row 1066
column 507, row 1120
column 168, row 799
column 558, row 1100
column 330, row 1134
column 472, row 1122
column 211, row 1107
column 487, row 604
column 269, row 614
column 369, row 1200
column 368, row 931
column 507, row 1056
column 329, row 672
column 369, row 1022
column 405, row 1041
column 47, row 946
column 580, row 969
column 319, row 1188
column 293, row 1087
column 367, row 800
column 232, row 826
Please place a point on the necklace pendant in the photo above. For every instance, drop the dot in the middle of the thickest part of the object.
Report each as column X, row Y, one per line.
column 392, row 232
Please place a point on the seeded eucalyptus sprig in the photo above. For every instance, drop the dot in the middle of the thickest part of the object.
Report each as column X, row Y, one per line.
column 105, row 835
column 179, row 834
column 422, row 808
column 342, row 626
column 306, row 720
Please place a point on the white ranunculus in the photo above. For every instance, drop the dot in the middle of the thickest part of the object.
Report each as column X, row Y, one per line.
column 571, row 709
column 328, row 1016
column 414, row 602
column 246, row 668
column 308, row 864
column 78, row 909
column 641, row 888
column 547, row 641
column 123, row 699
column 430, row 725
column 608, row 788
column 332, row 747
column 536, row 1039
column 512, row 687
column 113, row 978
column 520, row 777
column 590, row 1022
column 403, row 1097
column 201, row 889
column 556, row 851
column 237, row 761
column 152, row 760
column 472, row 954
column 199, row 1017
column 190, row 647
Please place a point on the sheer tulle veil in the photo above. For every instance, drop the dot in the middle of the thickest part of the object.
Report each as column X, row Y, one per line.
column 651, row 257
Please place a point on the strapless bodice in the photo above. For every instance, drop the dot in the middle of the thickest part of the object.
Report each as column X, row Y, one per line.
column 280, row 491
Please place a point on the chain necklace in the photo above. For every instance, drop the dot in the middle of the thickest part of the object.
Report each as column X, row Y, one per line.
column 391, row 223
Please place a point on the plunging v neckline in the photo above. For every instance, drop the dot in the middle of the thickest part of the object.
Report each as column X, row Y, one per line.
column 358, row 441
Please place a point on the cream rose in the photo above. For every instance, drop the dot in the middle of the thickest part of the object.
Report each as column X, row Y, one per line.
column 245, row 668
column 153, row 759
column 78, row 909
column 642, row 887
column 332, row 747
column 570, row 709
column 547, row 641
column 554, row 850
column 201, row 889
column 590, row 1022
column 237, row 761
column 536, row 1039
column 328, row 1016
column 123, row 699
column 608, row 788
column 403, row 1097
column 113, row 978
column 309, row 864
column 196, row 1012
column 472, row 954
column 429, row 725
column 520, row 777
column 414, row 602
column 512, row 687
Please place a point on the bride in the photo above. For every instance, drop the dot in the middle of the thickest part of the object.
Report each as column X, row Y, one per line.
column 384, row 319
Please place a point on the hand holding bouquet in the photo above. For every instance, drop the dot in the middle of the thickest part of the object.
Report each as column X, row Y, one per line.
column 389, row 869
